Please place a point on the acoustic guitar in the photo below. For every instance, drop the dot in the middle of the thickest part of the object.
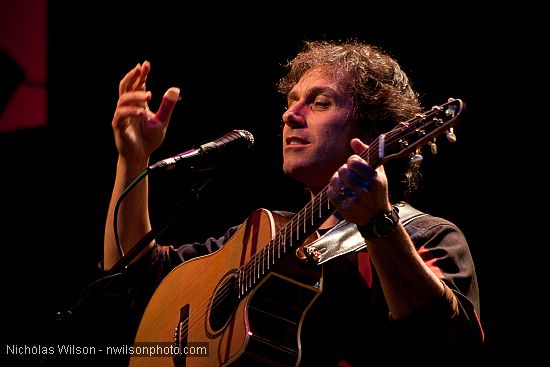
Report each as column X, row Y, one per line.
column 244, row 304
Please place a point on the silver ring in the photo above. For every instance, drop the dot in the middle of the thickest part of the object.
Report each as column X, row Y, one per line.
column 342, row 192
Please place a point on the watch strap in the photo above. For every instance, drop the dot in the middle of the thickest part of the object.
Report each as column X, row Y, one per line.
column 382, row 225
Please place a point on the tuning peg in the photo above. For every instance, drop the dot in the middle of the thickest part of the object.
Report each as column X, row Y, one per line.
column 417, row 156
column 433, row 147
column 451, row 137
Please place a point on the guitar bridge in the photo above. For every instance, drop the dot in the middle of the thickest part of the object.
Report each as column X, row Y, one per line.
column 181, row 333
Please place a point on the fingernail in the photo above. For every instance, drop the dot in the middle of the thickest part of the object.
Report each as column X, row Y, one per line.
column 172, row 94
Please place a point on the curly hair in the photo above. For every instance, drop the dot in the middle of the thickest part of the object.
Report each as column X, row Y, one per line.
column 380, row 91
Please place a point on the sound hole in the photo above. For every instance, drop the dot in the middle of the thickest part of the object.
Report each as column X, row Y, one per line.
column 224, row 304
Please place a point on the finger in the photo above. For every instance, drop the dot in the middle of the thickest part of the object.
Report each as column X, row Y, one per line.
column 337, row 188
column 122, row 113
column 348, row 177
column 167, row 105
column 334, row 196
column 357, row 179
column 129, row 79
column 139, row 83
column 360, row 167
column 358, row 146
column 335, row 182
column 134, row 98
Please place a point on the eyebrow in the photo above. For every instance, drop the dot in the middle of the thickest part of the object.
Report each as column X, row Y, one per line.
column 293, row 95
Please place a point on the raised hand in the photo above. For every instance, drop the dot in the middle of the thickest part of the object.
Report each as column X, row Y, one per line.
column 138, row 131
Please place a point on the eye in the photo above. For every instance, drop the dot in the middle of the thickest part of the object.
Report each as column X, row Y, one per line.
column 321, row 103
column 290, row 103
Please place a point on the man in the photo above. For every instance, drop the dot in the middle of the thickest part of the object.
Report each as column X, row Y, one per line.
column 411, row 296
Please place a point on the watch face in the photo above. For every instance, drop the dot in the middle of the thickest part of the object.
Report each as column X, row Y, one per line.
column 384, row 226
column 381, row 226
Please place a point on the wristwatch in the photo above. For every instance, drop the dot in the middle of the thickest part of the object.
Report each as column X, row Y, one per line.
column 382, row 225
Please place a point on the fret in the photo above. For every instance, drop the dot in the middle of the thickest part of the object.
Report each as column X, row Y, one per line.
column 249, row 278
column 239, row 282
column 254, row 267
column 284, row 239
column 312, row 212
column 301, row 219
column 266, row 250
column 272, row 255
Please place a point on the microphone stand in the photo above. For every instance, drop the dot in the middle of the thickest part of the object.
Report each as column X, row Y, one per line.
column 67, row 317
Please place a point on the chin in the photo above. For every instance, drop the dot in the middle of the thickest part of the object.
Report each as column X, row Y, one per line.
column 308, row 175
column 292, row 170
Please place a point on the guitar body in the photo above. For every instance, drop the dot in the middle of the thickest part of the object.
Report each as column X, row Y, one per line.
column 206, row 305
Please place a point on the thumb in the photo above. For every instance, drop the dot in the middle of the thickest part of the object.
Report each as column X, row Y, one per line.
column 358, row 146
column 167, row 105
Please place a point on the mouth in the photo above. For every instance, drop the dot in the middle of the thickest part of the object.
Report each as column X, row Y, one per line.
column 295, row 141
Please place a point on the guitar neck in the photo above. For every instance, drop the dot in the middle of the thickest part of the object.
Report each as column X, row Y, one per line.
column 398, row 142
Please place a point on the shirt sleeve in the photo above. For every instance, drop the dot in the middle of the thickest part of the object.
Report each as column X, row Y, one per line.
column 449, row 327
column 131, row 289
column 164, row 258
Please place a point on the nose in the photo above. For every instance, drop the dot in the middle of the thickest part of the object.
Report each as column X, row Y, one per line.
column 292, row 118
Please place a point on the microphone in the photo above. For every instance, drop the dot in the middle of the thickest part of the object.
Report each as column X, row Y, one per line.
column 235, row 141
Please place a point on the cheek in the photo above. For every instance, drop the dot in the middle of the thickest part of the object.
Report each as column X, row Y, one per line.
column 336, row 135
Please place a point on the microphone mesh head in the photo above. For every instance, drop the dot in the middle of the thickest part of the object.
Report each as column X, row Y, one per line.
column 248, row 136
column 234, row 141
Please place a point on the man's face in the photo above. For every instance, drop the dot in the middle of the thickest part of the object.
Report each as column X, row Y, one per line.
column 317, row 131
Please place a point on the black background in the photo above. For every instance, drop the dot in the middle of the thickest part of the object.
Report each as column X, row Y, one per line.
column 57, row 179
